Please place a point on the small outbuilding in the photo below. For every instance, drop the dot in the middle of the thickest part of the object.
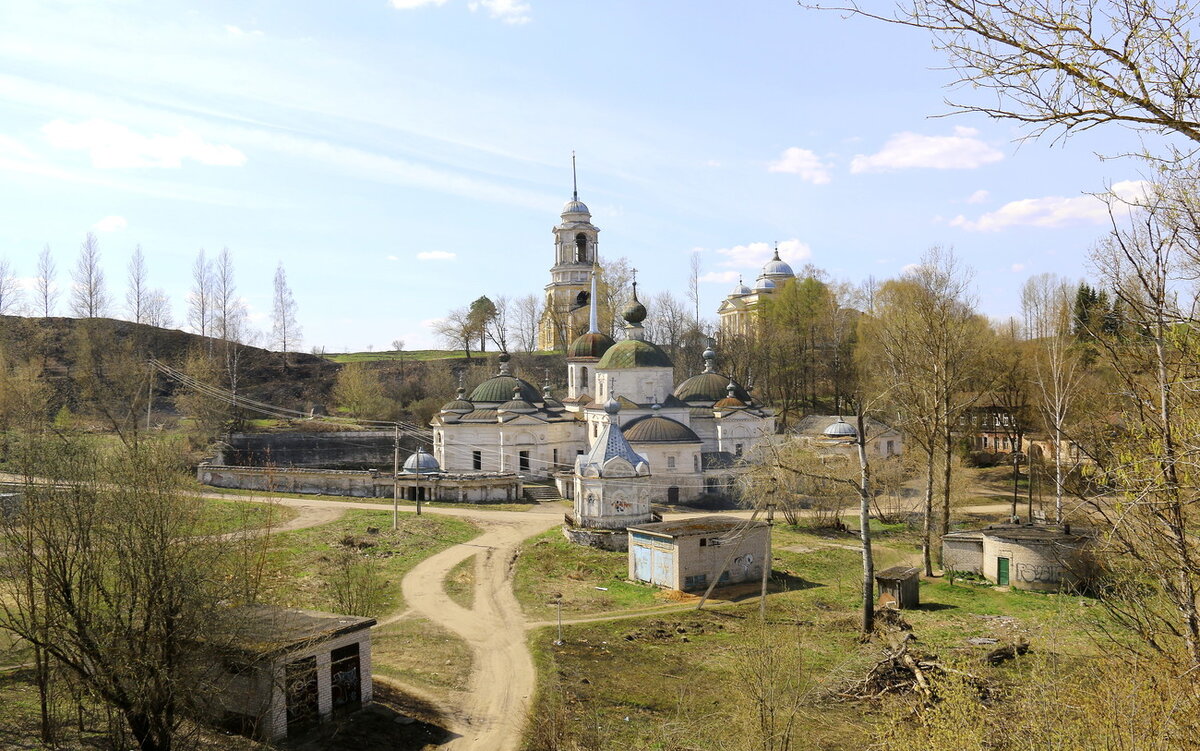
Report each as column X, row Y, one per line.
column 900, row 585
column 289, row 670
column 1044, row 557
column 684, row 554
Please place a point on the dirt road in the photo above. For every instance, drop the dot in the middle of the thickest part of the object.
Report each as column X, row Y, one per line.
column 503, row 677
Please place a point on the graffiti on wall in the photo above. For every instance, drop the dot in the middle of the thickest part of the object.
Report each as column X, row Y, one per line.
column 1046, row 573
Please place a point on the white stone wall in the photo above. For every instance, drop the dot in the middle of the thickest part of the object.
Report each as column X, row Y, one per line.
column 500, row 446
column 612, row 503
column 275, row 723
column 641, row 385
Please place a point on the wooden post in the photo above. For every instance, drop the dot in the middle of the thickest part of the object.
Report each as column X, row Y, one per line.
column 766, row 567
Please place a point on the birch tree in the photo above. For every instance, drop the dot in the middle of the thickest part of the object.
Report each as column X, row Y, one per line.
column 1057, row 369
column 136, row 292
column 45, row 285
column 527, row 317
column 11, row 294
column 89, row 298
column 200, row 298
column 285, row 330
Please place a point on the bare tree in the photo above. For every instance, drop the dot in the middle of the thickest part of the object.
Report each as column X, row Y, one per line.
column 158, row 309
column 11, row 294
column 527, row 316
column 89, row 299
column 45, row 287
column 200, row 298
column 227, row 307
column 457, row 330
column 137, row 293
column 1057, row 365
column 498, row 326
column 285, row 331
column 1069, row 66
column 693, row 291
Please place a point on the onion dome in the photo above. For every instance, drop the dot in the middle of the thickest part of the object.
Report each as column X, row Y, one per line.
column 548, row 401
column 730, row 401
column 658, row 429
column 500, row 388
column 764, row 285
column 575, row 206
column 421, row 463
column 634, row 312
column 739, row 289
column 593, row 345
column 517, row 404
column 460, row 404
column 840, row 429
column 634, row 353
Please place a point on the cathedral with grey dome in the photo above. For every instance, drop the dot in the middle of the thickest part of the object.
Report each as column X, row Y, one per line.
column 738, row 310
column 624, row 435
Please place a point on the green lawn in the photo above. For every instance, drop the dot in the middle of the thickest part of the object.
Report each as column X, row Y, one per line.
column 423, row 355
column 691, row 666
column 548, row 565
column 231, row 516
column 304, row 564
column 417, row 651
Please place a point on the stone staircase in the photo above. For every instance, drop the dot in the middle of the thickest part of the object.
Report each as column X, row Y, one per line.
column 542, row 493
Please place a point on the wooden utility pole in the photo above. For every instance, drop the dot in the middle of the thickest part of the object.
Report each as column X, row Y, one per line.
column 396, row 477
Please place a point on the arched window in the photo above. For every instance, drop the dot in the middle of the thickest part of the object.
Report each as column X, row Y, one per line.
column 581, row 248
column 583, row 381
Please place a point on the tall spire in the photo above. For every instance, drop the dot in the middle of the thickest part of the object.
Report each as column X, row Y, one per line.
column 574, row 180
column 593, row 318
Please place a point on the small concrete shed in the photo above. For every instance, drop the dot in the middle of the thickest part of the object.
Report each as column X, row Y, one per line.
column 1043, row 557
column 684, row 554
column 900, row 585
column 290, row 670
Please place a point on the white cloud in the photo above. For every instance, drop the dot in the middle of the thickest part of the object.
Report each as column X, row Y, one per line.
column 712, row 163
column 906, row 150
column 410, row 4
column 436, row 255
column 113, row 146
column 237, row 31
column 756, row 254
column 802, row 162
column 110, row 224
column 724, row 277
column 393, row 258
column 978, row 196
column 11, row 147
column 508, row 11
column 1050, row 211
column 1017, row 267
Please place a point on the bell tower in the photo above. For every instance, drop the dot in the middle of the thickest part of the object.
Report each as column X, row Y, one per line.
column 576, row 247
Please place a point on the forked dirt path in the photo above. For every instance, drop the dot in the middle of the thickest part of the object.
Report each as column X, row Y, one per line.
column 503, row 676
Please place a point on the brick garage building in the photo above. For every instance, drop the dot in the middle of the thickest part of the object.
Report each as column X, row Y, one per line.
column 684, row 554
column 291, row 670
column 1043, row 557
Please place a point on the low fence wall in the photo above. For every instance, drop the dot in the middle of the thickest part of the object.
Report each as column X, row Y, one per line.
column 482, row 487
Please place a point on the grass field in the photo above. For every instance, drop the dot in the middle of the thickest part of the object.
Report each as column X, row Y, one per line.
column 417, row 651
column 460, row 583
column 231, row 516
column 549, row 565
column 303, row 564
column 422, row 355
column 678, row 677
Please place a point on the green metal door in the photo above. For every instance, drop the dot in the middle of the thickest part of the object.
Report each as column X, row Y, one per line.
column 1002, row 572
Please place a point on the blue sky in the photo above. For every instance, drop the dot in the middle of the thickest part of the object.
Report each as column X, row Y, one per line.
column 402, row 158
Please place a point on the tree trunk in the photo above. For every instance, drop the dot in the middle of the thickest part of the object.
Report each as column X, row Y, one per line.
column 928, row 530
column 947, row 471
column 864, row 521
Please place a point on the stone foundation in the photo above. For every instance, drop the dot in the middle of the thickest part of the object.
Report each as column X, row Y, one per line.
column 616, row 540
column 479, row 487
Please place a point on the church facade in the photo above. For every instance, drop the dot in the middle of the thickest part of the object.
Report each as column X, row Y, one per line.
column 684, row 440
column 738, row 312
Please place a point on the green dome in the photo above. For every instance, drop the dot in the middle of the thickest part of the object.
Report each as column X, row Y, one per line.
column 592, row 344
column 634, row 353
column 657, row 429
column 708, row 387
column 499, row 389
